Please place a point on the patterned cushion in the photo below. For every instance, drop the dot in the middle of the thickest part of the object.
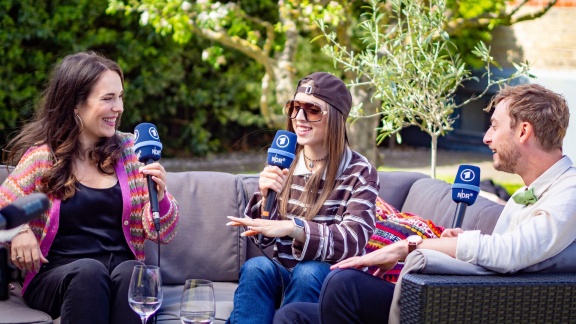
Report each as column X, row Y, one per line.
column 393, row 226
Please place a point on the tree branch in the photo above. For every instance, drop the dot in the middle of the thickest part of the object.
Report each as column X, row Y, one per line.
column 235, row 42
column 455, row 26
column 534, row 15
column 520, row 5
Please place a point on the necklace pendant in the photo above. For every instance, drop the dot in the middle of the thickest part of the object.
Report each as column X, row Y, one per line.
column 311, row 165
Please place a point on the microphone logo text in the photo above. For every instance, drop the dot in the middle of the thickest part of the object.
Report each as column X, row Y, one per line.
column 153, row 132
column 156, row 151
column 465, row 195
column 467, row 175
column 282, row 141
column 278, row 160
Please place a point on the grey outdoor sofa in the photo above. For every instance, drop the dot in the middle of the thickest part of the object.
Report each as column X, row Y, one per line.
column 205, row 248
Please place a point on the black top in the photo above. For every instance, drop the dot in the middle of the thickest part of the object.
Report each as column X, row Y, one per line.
column 91, row 224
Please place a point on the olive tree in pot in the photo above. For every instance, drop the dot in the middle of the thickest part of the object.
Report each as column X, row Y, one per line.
column 412, row 66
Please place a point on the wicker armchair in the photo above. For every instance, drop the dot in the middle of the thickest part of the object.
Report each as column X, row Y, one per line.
column 519, row 298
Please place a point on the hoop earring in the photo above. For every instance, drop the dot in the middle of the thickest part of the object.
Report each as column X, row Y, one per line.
column 81, row 124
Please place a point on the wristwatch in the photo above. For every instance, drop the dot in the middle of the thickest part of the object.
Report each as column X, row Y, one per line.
column 298, row 222
column 298, row 227
column 413, row 241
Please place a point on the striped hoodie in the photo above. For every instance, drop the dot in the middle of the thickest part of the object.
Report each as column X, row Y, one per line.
column 343, row 225
column 137, row 223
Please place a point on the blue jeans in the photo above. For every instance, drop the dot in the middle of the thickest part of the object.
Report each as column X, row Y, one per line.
column 259, row 290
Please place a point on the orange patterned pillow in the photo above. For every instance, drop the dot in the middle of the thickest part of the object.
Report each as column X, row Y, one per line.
column 393, row 226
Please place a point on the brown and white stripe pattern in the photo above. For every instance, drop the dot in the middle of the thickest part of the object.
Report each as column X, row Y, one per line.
column 343, row 225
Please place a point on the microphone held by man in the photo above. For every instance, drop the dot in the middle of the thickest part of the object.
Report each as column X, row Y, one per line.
column 465, row 191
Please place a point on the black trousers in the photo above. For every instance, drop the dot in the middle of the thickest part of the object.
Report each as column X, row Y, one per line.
column 84, row 290
column 347, row 296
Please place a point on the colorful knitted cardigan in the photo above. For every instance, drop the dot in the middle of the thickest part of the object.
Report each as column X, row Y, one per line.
column 137, row 223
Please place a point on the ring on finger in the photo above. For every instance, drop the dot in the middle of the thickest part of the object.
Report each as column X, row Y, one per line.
column 18, row 257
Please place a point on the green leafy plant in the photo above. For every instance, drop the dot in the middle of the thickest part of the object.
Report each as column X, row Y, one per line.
column 199, row 109
column 408, row 60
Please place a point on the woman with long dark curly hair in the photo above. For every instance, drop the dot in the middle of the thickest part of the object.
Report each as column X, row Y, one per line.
column 79, row 255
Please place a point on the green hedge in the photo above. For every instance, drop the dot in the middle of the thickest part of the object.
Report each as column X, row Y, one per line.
column 196, row 108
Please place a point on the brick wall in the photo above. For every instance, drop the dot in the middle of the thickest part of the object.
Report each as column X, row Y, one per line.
column 548, row 43
column 559, row 3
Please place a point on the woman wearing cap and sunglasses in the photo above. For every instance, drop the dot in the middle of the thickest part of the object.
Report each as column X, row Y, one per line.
column 325, row 207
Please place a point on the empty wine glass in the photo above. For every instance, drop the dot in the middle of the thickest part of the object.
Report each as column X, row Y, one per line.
column 197, row 304
column 145, row 292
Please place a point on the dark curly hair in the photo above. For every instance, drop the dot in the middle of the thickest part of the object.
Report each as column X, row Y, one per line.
column 54, row 123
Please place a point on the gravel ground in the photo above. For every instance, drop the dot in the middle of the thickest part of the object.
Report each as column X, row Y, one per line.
column 409, row 159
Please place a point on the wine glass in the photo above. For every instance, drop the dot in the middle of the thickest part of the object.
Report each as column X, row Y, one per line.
column 197, row 304
column 145, row 291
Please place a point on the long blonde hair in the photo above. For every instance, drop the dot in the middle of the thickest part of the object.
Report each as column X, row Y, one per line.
column 336, row 144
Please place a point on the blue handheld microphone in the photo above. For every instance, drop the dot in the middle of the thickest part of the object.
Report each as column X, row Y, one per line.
column 148, row 148
column 280, row 154
column 23, row 210
column 465, row 190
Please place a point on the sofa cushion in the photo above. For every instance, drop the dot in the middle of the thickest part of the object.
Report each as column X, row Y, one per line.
column 432, row 199
column 14, row 310
column 250, row 182
column 395, row 185
column 560, row 263
column 203, row 242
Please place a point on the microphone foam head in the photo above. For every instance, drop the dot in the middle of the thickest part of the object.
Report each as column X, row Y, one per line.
column 281, row 153
column 147, row 142
column 466, row 184
column 24, row 209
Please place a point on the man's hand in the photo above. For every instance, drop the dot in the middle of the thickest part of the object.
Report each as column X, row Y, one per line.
column 451, row 232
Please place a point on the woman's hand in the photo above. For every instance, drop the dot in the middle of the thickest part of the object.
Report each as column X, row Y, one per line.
column 451, row 232
column 266, row 227
column 25, row 252
column 272, row 178
column 156, row 170
column 384, row 259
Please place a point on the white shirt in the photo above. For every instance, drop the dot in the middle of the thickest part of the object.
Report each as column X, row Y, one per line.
column 526, row 235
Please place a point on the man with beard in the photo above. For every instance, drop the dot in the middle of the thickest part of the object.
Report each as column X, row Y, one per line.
column 526, row 132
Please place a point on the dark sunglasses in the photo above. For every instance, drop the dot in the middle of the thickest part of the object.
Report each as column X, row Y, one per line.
column 312, row 111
